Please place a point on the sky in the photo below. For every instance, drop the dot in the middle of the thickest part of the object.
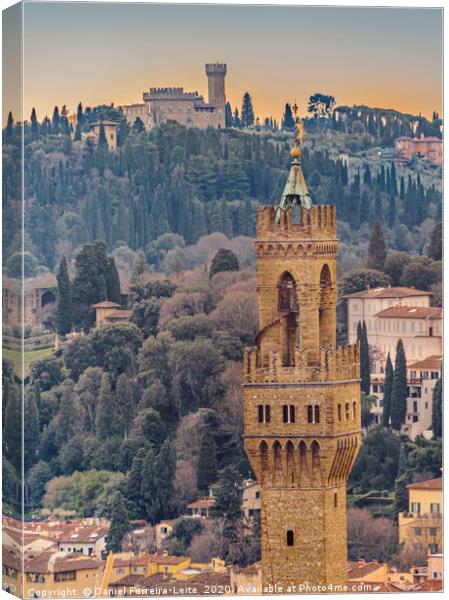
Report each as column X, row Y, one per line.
column 103, row 53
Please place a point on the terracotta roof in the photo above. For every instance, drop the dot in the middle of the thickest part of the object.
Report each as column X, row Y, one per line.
column 374, row 587
column 128, row 580
column 106, row 304
column 430, row 484
column 411, row 312
column 82, row 534
column 11, row 560
column 47, row 562
column 431, row 362
column 202, row 503
column 145, row 559
column 358, row 570
column 429, row 585
column 388, row 292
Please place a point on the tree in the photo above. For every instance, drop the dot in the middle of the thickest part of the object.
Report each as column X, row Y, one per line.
column 401, row 482
column 228, row 115
column 34, row 124
column 138, row 125
column 184, row 531
column 288, row 122
column 421, row 273
column 224, row 260
column 102, row 141
column 377, row 249
column 435, row 247
column 365, row 369
column 236, row 121
column 79, row 115
column 207, row 460
column 228, row 497
column 388, row 388
column 366, row 403
column 119, row 524
column 105, row 416
column 9, row 127
column 360, row 279
column 63, row 300
column 55, row 122
column 321, row 106
column 399, row 389
column 247, row 113
column 113, row 282
column 370, row 538
column 395, row 264
column 376, row 465
column 437, row 409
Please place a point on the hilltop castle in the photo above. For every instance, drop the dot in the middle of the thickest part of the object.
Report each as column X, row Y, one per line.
column 188, row 108
column 301, row 393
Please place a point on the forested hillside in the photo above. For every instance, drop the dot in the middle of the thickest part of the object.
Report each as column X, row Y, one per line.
column 193, row 182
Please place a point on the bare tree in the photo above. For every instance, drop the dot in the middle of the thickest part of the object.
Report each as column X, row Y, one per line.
column 370, row 538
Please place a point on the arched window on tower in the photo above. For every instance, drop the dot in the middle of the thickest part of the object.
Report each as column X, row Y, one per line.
column 289, row 309
column 326, row 310
column 290, row 537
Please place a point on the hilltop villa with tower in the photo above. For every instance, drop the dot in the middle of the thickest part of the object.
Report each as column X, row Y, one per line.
column 162, row 104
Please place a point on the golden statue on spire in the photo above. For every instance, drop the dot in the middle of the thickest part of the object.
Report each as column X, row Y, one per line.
column 299, row 133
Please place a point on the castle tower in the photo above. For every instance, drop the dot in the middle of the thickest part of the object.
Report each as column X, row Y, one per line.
column 301, row 393
column 216, row 73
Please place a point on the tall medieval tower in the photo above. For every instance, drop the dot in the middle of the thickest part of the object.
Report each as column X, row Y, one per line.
column 216, row 73
column 301, row 393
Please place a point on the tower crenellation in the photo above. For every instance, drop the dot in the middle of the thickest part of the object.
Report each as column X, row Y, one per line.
column 301, row 392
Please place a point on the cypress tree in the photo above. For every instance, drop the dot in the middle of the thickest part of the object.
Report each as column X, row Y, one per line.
column 34, row 124
column 388, row 388
column 102, row 141
column 9, row 127
column 247, row 113
column 64, row 318
column 77, row 137
column 401, row 482
column 367, row 176
column 138, row 125
column 399, row 390
column 223, row 260
column 288, row 122
column 229, row 120
column 119, row 523
column 435, row 247
column 55, row 122
column 31, row 430
column 365, row 370
column 391, row 211
column 236, row 121
column 79, row 115
column 147, row 489
column 113, row 282
column 377, row 249
column 133, row 482
column 207, row 460
column 437, row 409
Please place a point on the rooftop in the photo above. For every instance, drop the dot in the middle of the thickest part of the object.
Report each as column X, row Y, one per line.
column 411, row 312
column 430, row 484
column 388, row 292
column 432, row 363
column 106, row 304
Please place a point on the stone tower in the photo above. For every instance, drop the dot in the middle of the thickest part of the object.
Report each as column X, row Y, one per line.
column 301, row 393
column 216, row 73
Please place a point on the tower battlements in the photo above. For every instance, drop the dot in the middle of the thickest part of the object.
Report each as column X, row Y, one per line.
column 318, row 222
column 335, row 364
column 216, row 69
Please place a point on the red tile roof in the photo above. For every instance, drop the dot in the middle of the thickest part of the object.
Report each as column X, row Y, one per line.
column 202, row 503
column 432, row 363
column 80, row 534
column 358, row 570
column 106, row 304
column 430, row 484
column 47, row 562
column 388, row 292
column 411, row 312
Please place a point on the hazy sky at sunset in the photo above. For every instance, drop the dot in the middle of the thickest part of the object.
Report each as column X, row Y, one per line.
column 102, row 53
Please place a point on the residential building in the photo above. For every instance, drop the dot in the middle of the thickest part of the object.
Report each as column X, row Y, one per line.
column 110, row 132
column 162, row 104
column 251, row 502
column 427, row 147
column 421, row 379
column 435, row 566
column 164, row 529
column 88, row 540
column 391, row 313
column 50, row 574
column 201, row 508
column 421, row 526
column 110, row 313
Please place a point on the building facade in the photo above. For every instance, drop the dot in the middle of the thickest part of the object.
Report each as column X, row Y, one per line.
column 301, row 395
column 162, row 104
column 427, row 147
column 422, row 525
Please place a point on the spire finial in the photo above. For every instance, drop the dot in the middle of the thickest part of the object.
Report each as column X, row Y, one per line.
column 299, row 133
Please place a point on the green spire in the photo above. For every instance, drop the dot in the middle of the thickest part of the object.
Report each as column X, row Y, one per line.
column 295, row 190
